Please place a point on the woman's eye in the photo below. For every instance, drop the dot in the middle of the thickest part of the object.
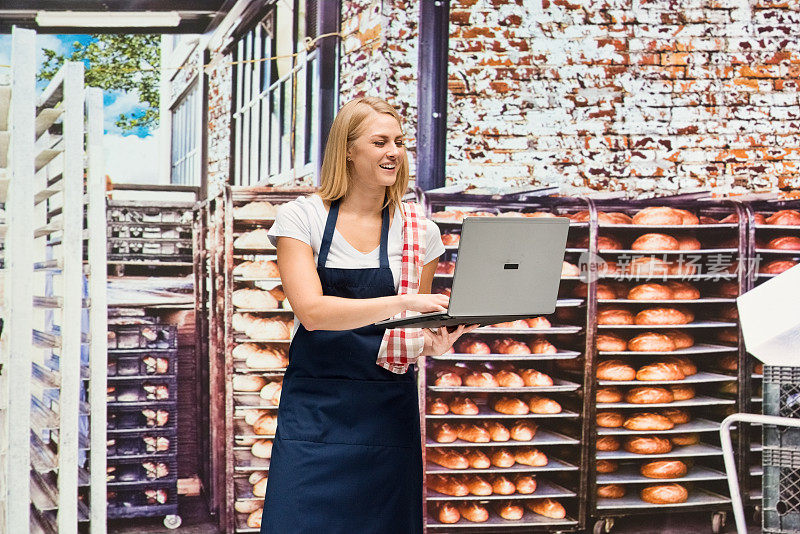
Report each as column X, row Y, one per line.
column 379, row 143
column 399, row 143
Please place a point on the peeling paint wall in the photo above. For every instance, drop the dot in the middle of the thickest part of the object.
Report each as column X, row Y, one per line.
column 219, row 74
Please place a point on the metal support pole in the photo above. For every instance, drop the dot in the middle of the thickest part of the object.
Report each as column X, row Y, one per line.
column 434, row 34
column 329, row 14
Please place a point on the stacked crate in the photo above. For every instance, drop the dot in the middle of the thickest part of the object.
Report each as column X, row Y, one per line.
column 142, row 421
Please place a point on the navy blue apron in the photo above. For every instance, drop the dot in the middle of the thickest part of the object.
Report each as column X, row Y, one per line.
column 346, row 458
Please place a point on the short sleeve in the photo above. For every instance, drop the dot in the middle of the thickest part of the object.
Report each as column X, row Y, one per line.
column 433, row 242
column 292, row 220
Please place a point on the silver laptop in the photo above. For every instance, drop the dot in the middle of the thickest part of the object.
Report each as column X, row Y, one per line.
column 506, row 269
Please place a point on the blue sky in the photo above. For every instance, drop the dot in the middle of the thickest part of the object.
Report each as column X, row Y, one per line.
column 130, row 157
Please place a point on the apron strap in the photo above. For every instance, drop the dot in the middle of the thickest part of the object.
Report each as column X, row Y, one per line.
column 385, row 239
column 330, row 226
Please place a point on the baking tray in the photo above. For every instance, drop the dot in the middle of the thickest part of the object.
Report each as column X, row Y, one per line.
column 756, row 470
column 688, row 451
column 696, row 324
column 629, row 474
column 244, row 490
column 529, row 520
column 252, row 401
column 697, row 497
column 239, row 278
column 667, row 226
column 260, row 340
column 650, row 277
column 245, row 462
column 699, row 400
column 553, row 464
column 544, row 489
column 559, row 385
column 700, row 348
column 703, row 300
column 699, row 378
column 262, row 310
column 777, row 251
column 756, row 446
column 632, row 252
column 240, row 367
column 241, row 524
column 792, row 227
column 560, row 329
column 243, row 430
column 695, row 425
column 560, row 355
column 542, row 437
column 251, row 220
column 487, row 413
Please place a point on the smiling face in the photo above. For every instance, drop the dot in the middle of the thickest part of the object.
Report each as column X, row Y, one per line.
column 375, row 155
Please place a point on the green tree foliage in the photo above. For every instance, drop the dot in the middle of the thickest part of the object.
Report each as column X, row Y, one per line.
column 118, row 62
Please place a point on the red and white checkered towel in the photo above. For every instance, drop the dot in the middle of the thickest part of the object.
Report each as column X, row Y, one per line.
column 402, row 346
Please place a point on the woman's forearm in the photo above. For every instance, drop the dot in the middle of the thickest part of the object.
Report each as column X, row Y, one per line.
column 336, row 313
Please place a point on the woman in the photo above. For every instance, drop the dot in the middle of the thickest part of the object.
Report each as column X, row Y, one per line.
column 347, row 453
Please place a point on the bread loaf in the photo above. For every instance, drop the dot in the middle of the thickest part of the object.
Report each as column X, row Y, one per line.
column 686, row 366
column 260, row 488
column 529, row 456
column 436, row 406
column 604, row 291
column 568, row 269
column 262, row 448
column 660, row 371
column 683, row 290
column 611, row 491
column 651, row 342
column 247, row 507
column 543, row 405
column 547, row 508
column 510, row 406
column 682, row 340
column 480, row 380
column 538, row 322
column 508, row 345
column 648, row 421
column 664, row 469
column 661, row 316
column 509, row 379
column 650, row 292
column 517, row 324
column 248, row 383
column 648, row 266
column 473, row 511
column 472, row 346
column 447, row 379
column 447, row 485
column 655, row 241
column 509, row 511
column 268, row 328
column 444, row 433
column 447, row 513
column 478, row 460
column 472, row 433
column 448, row 458
column 477, row 485
column 258, row 269
column 648, row 445
column 614, row 316
column 609, row 394
column 463, row 406
column 607, row 443
column 606, row 466
column 542, row 346
column 788, row 242
column 676, row 415
column 503, row 458
column 658, row 215
column 665, row 494
column 254, row 239
column 682, row 440
column 258, row 209
column 523, row 431
column 648, row 395
column 534, row 378
column 777, row 266
column 609, row 419
column 682, row 393
column 525, row 484
column 253, row 299
column 254, row 519
column 266, row 425
column 615, row 370
column 497, row 431
column 784, row 218
column 687, row 242
column 258, row 357
column 687, row 217
column 610, row 343
column 502, row 486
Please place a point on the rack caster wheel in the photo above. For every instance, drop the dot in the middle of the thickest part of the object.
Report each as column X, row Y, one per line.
column 172, row 521
column 717, row 522
column 602, row 526
column 756, row 516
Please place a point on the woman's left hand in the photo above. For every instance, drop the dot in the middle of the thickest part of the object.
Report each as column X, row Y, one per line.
column 439, row 341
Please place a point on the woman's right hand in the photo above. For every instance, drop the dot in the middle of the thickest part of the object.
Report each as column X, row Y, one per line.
column 426, row 302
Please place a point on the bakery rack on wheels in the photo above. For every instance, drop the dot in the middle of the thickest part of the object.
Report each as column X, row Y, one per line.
column 62, row 248
column 774, row 240
column 450, row 412
column 703, row 249
column 142, row 421
column 249, row 326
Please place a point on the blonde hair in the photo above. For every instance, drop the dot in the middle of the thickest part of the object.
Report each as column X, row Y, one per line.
column 335, row 179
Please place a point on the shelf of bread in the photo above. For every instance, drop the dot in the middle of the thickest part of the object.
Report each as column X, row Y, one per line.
column 699, row 400
column 699, row 377
column 693, row 426
column 703, row 300
column 552, row 465
column 632, row 474
column 246, row 490
column 559, row 354
column 559, row 386
column 713, row 226
column 523, row 518
column 556, row 329
column 695, row 497
column 541, row 438
column 246, row 462
column 246, row 401
column 686, row 451
column 723, row 275
column 695, row 324
column 649, row 252
column 756, row 470
column 484, row 412
column 544, row 489
column 700, row 348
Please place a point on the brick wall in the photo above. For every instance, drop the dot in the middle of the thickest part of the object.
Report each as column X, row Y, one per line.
column 219, row 74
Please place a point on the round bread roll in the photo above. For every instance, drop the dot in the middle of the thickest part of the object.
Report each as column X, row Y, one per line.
column 447, row 513
column 658, row 215
column 777, row 266
column 543, row 405
column 260, row 358
column 650, row 292
column 609, row 394
column 525, row 484
column 617, row 217
column 610, row 419
column 784, row 218
column 541, row 346
column 254, row 519
column 444, row 433
column 255, row 476
column 547, row 508
column 529, row 456
column 447, row 379
column 510, row 406
column 661, row 316
column 729, row 362
column 516, row 324
column 648, row 445
column 247, row 507
column 660, row 371
column 538, row 322
column 450, row 240
column 604, row 291
column 682, row 440
column 436, row 406
column 648, row 266
column 483, row 379
column 615, row 316
column 253, row 298
column 509, row 511
column 607, row 443
column 651, row 342
column 266, row 425
column 268, row 328
column 648, row 395
column 260, row 488
column 610, row 343
column 502, row 486
column 681, row 393
column 262, row 448
column 682, row 340
column 648, row 421
column 676, row 415
column 534, row 378
column 665, row 494
column 611, row 491
column 248, row 383
column 664, row 469
column 687, row 217
column 604, row 242
column 683, row 290
column 508, row 345
column 509, row 379
column 615, row 370
column 606, row 466
column 497, row 431
column 503, row 458
column 687, row 242
column 463, row 406
column 523, row 430
column 728, row 335
column 655, row 241
column 477, row 459
column 787, row 242
column 568, row 269
column 472, row 346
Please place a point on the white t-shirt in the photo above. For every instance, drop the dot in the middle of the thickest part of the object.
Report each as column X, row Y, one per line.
column 304, row 219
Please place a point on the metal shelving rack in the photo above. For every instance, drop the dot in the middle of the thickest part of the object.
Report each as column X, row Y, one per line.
column 559, row 435
column 756, row 440
column 709, row 406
